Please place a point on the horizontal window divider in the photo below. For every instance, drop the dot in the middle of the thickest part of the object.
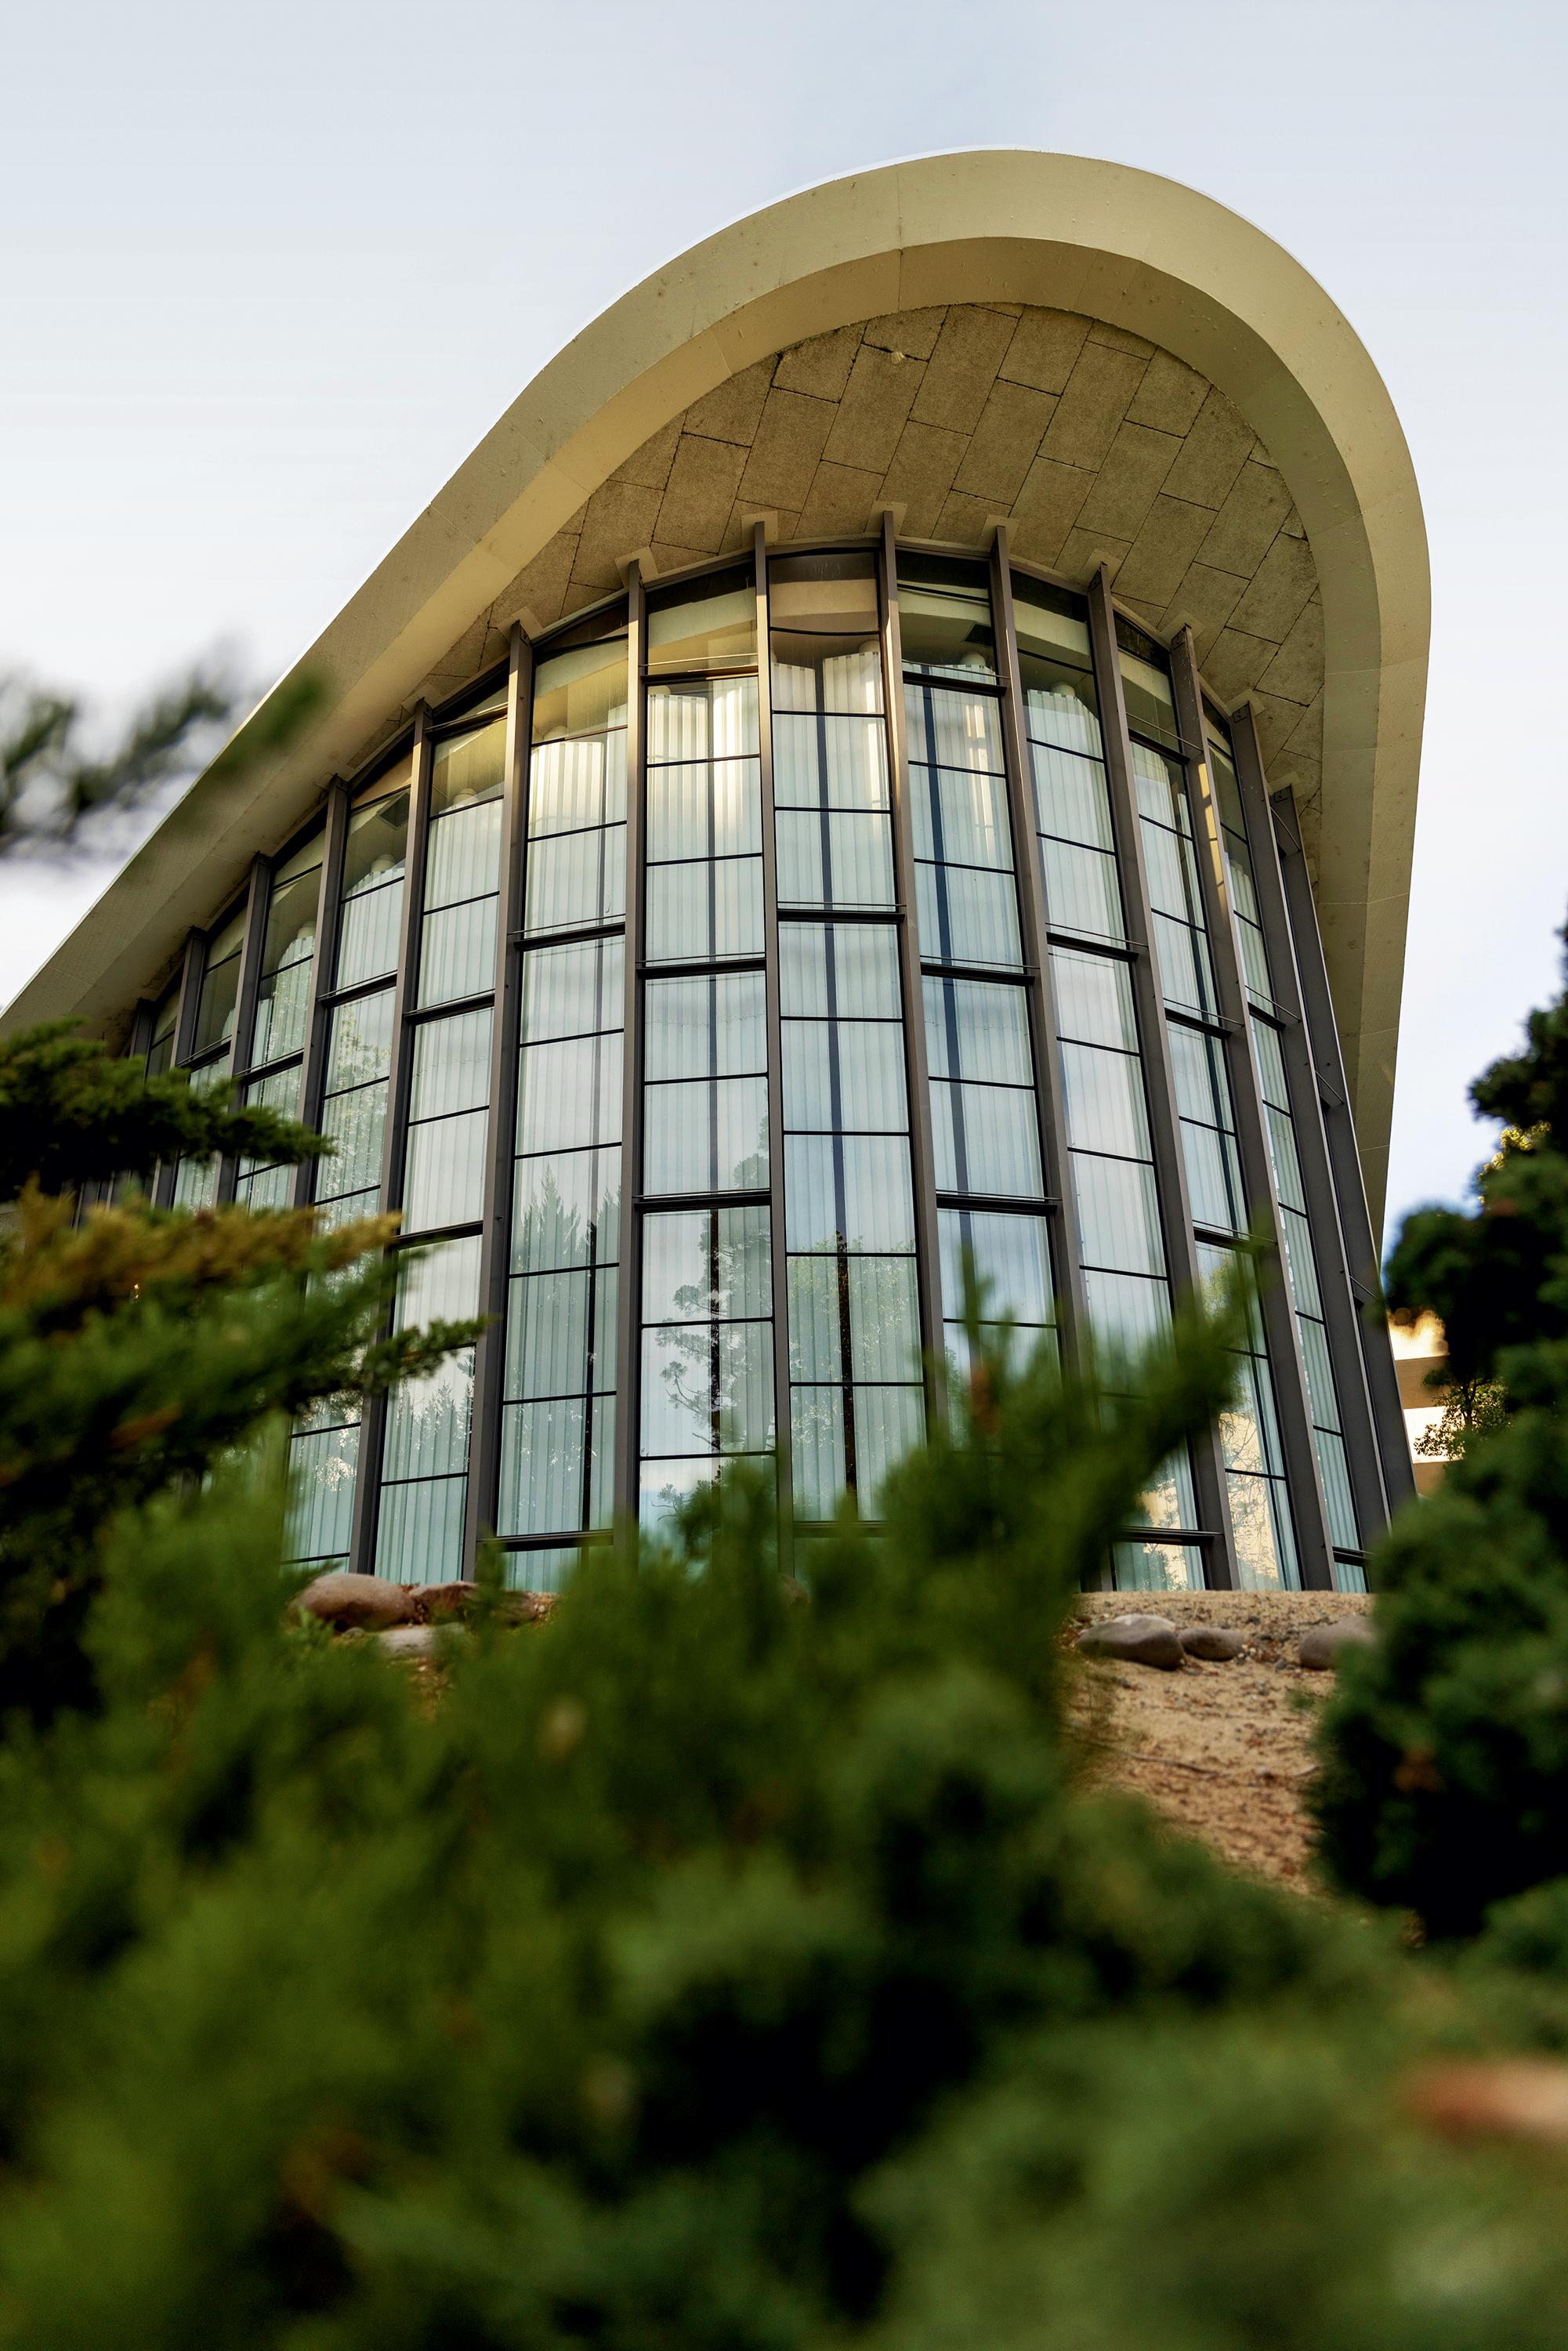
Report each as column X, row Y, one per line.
column 713, row 968
column 428, row 1235
column 333, row 996
column 890, row 915
column 479, row 1003
column 978, row 683
column 1092, row 943
column 1164, row 1535
column 581, row 935
column 1005, row 1203
column 259, row 1070
column 718, row 676
column 753, row 1199
column 571, row 1538
column 1012, row 974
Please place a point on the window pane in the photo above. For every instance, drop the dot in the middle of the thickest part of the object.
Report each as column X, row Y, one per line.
column 710, row 625
column 467, row 769
column 463, row 859
column 446, row 1182
column 457, row 952
column 451, row 1065
column 945, row 616
column 840, row 968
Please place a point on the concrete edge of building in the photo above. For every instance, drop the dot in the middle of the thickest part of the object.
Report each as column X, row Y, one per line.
column 1139, row 252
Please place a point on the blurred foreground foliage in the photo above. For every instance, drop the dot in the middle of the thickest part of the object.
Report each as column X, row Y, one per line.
column 1445, row 1786
column 718, row 1966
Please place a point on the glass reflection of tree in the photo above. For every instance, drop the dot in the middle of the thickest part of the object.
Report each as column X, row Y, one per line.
column 572, row 1239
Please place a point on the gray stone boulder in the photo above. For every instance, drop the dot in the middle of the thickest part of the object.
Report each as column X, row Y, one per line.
column 1216, row 1645
column 1319, row 1647
column 417, row 1640
column 355, row 1603
column 1134, row 1641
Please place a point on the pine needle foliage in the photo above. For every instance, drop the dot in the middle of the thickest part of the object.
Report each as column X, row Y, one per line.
column 1445, row 1781
column 137, row 1348
column 739, row 1960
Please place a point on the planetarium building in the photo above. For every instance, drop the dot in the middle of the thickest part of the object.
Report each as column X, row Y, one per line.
column 898, row 751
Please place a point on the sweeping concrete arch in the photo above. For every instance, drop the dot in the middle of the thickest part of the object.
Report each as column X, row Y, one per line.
column 1147, row 257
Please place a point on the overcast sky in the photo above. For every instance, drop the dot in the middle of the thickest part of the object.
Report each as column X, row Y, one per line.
column 267, row 276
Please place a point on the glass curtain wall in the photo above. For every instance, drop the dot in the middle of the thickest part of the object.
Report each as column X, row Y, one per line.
column 985, row 1118
column 212, row 1040
column 868, row 989
column 425, row 1461
column 856, row 1401
column 1260, row 1519
column 558, row 1413
column 1301, row 1263
column 1111, row 1160
column 704, row 1307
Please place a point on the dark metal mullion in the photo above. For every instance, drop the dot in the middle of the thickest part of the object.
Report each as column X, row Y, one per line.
column 628, row 1383
column 372, row 1428
column 246, row 993
column 318, row 1015
column 773, row 1003
column 1159, row 1079
column 1040, row 982
column 1286, row 1363
column 190, row 973
column 490, row 1351
column 1330, row 1096
column 917, row 1075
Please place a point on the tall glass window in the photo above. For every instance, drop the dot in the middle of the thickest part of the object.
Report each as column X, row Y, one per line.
column 707, row 1347
column 323, row 1465
column 196, row 1180
column 557, row 1423
column 375, row 860
column 856, row 1399
column 1302, row 1271
column 1261, row 1528
column 463, row 865
column 219, row 990
column 424, row 1465
column 354, row 1111
column 287, row 954
column 705, row 1310
column 576, row 875
column 165, row 1018
column 829, row 737
column 258, row 1184
column 1071, row 799
column 558, row 1407
column 705, row 822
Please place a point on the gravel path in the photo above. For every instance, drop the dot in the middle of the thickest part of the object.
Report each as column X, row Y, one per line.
column 1220, row 1750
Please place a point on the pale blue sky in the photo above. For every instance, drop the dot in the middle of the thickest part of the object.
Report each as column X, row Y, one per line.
column 267, row 275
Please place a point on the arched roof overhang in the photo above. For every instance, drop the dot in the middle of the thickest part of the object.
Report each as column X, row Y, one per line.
column 1124, row 246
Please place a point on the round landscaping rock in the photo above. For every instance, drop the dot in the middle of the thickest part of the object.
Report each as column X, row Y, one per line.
column 355, row 1603
column 414, row 1640
column 1135, row 1641
column 1319, row 1647
column 434, row 1604
column 1216, row 1645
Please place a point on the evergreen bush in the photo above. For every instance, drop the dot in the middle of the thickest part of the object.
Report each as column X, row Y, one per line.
column 1444, row 1786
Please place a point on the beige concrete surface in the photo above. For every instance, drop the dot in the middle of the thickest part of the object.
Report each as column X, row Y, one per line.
column 962, row 337
column 1222, row 1751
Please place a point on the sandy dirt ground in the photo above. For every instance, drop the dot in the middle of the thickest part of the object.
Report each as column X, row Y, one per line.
column 1220, row 1750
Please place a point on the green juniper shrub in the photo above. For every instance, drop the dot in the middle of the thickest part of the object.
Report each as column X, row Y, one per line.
column 736, row 1961
column 1444, row 1786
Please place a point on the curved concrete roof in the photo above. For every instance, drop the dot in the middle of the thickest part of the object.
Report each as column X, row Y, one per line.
column 1150, row 265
